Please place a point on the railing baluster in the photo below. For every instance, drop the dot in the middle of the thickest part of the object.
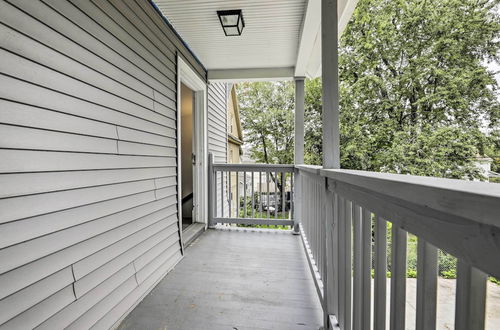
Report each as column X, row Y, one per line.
column 230, row 196
column 357, row 306
column 380, row 273
column 283, row 188
column 267, row 193
column 342, row 262
column 291, row 211
column 427, row 273
column 237, row 194
column 314, row 220
column 367, row 267
column 275, row 195
column 470, row 302
column 214, row 189
column 260, row 194
column 222, row 193
column 244, row 194
column 398, row 278
column 348, row 268
column 253, row 197
column 336, row 255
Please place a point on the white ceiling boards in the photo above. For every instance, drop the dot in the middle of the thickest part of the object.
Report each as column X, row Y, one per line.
column 277, row 38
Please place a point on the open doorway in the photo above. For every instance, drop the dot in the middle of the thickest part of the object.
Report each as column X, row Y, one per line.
column 192, row 156
column 187, row 155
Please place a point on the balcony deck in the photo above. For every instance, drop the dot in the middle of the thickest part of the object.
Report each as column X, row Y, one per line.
column 234, row 279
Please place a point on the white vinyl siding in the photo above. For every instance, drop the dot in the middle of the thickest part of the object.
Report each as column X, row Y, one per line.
column 217, row 133
column 88, row 177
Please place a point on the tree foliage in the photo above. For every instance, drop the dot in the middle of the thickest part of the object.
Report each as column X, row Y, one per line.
column 415, row 89
column 267, row 117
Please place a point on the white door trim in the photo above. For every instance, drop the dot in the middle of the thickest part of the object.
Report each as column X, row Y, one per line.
column 187, row 76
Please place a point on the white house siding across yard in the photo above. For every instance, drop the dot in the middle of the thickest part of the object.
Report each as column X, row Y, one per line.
column 88, row 198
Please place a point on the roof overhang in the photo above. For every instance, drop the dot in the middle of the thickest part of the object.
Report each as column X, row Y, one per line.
column 281, row 39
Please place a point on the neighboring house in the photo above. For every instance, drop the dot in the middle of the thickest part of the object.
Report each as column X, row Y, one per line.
column 483, row 163
column 234, row 144
column 234, row 131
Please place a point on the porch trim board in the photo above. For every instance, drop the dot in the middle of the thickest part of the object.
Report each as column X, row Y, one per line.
column 186, row 75
column 252, row 221
column 255, row 74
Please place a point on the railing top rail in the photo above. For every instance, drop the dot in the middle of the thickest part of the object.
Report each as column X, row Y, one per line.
column 314, row 169
column 254, row 167
column 478, row 201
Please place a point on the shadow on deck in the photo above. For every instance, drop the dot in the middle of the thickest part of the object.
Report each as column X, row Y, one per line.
column 234, row 279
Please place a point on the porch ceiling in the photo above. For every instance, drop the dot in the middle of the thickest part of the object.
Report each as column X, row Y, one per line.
column 281, row 38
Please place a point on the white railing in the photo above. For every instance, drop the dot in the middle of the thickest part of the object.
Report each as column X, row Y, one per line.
column 337, row 209
column 251, row 194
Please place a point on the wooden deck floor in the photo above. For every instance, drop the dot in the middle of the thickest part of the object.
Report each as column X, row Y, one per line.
column 232, row 279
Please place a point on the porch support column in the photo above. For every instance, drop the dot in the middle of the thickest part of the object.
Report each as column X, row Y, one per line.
column 298, row 148
column 299, row 121
column 330, row 76
column 331, row 150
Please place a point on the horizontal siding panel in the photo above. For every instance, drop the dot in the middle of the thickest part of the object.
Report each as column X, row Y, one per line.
column 167, row 139
column 87, row 320
column 15, row 137
column 23, row 230
column 24, row 92
column 217, row 130
column 29, row 116
column 21, row 254
column 166, row 110
column 85, row 266
column 82, row 268
column 42, row 311
column 16, row 66
column 39, row 53
column 119, row 254
column 132, row 148
column 12, row 208
column 72, row 312
column 23, row 276
column 167, row 246
column 111, row 318
column 165, row 182
column 169, row 101
column 43, row 161
column 150, row 49
column 17, row 303
column 106, row 35
column 19, row 184
column 171, row 254
column 55, row 38
column 170, row 192
column 148, row 14
column 216, row 147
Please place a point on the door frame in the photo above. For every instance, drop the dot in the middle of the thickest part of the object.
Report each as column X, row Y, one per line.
column 187, row 76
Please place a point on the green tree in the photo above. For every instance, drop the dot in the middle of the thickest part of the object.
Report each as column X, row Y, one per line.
column 415, row 88
column 267, row 117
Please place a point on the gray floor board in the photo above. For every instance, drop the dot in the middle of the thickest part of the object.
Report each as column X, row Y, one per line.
column 232, row 279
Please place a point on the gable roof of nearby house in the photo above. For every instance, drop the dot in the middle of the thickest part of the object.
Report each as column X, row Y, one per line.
column 233, row 98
